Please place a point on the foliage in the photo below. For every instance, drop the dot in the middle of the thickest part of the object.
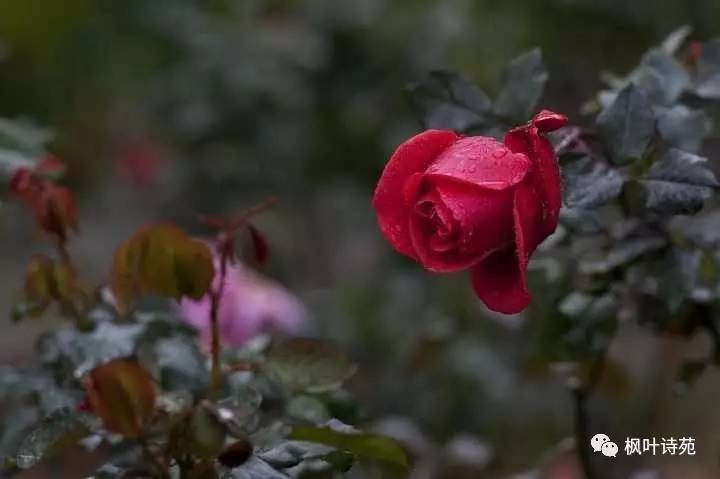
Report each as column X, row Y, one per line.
column 135, row 381
column 638, row 241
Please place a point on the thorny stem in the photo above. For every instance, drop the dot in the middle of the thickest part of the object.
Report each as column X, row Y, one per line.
column 580, row 393
column 216, row 296
column 159, row 463
column 581, row 431
column 64, row 253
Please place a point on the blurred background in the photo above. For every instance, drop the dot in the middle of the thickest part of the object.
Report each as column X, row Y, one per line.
column 165, row 109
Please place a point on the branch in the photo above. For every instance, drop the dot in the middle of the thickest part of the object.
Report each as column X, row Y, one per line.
column 215, row 298
column 582, row 439
column 580, row 392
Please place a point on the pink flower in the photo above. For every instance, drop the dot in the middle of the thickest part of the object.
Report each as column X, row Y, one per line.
column 250, row 304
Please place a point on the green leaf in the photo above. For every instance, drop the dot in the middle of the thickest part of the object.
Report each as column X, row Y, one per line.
column 593, row 322
column 627, row 126
column 202, row 435
column 622, row 253
column 678, row 184
column 672, row 43
column 523, row 84
column 255, row 468
column 371, row 446
column 301, row 364
column 182, row 365
column 684, row 128
column 589, row 184
column 82, row 351
column 240, row 412
column 708, row 71
column 581, row 221
column 448, row 100
column 61, row 429
column 661, row 77
column 307, row 409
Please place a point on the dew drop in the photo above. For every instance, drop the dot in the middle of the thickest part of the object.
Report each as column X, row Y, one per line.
column 499, row 153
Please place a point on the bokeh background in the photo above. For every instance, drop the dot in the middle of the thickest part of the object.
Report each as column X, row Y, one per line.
column 165, row 109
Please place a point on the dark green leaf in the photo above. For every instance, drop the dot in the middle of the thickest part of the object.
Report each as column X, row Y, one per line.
column 708, row 71
column 661, row 77
column 675, row 39
column 289, row 454
column 523, row 84
column 371, row 446
column 61, row 429
column 623, row 253
column 627, row 126
column 255, row 468
column 678, row 184
column 308, row 409
column 589, row 184
column 448, row 100
column 182, row 365
column 302, row 364
column 593, row 321
column 701, row 230
column 240, row 412
column 581, row 221
column 203, row 435
column 684, row 128
column 84, row 351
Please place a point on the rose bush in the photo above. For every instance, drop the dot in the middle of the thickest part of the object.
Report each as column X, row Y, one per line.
column 454, row 203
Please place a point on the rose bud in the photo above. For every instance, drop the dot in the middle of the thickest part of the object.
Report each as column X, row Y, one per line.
column 454, row 202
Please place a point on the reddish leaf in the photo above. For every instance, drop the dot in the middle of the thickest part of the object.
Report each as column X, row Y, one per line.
column 24, row 184
column 46, row 282
column 49, row 167
column 161, row 259
column 236, row 454
column 56, row 210
column 122, row 393
column 259, row 244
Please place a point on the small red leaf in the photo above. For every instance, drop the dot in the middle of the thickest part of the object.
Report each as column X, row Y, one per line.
column 22, row 184
column 259, row 243
column 122, row 393
column 56, row 210
column 50, row 166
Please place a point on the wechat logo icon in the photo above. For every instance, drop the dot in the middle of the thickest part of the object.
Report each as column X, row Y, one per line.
column 602, row 443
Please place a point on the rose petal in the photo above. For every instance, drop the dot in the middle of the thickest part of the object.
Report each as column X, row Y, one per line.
column 480, row 161
column 485, row 217
column 501, row 279
column 548, row 120
column 411, row 157
column 527, row 139
column 498, row 282
column 480, row 220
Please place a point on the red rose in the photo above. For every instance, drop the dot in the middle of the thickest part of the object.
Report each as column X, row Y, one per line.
column 453, row 203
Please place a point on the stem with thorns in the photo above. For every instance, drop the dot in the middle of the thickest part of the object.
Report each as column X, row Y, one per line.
column 215, row 298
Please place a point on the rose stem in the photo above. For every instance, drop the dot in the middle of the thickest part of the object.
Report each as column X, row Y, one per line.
column 215, row 378
column 580, row 393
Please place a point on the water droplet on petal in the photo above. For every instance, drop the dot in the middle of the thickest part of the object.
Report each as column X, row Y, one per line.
column 499, row 153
